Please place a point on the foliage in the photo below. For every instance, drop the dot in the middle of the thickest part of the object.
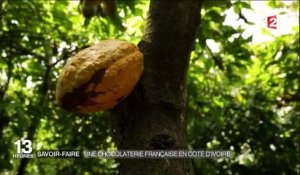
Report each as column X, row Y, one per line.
column 243, row 97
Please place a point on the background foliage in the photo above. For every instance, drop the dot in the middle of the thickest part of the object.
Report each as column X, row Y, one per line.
column 243, row 97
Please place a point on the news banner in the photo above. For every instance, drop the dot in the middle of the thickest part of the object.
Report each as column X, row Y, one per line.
column 25, row 150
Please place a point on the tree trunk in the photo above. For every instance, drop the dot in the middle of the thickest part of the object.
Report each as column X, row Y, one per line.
column 153, row 116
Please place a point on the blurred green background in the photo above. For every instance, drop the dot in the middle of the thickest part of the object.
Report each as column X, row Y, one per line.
column 242, row 96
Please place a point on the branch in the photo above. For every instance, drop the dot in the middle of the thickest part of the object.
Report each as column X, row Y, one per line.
column 281, row 101
column 218, row 61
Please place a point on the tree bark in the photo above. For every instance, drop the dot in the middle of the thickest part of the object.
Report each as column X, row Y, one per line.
column 153, row 116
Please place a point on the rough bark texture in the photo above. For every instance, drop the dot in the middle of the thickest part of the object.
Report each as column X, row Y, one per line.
column 153, row 116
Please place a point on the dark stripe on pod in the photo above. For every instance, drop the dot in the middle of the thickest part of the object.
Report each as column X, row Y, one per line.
column 78, row 97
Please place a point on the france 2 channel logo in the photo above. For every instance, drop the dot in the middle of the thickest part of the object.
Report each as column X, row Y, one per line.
column 272, row 22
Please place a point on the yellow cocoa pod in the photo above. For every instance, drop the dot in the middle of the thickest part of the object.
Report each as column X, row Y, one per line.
column 99, row 77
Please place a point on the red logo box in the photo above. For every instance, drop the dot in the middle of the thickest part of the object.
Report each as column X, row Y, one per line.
column 272, row 22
